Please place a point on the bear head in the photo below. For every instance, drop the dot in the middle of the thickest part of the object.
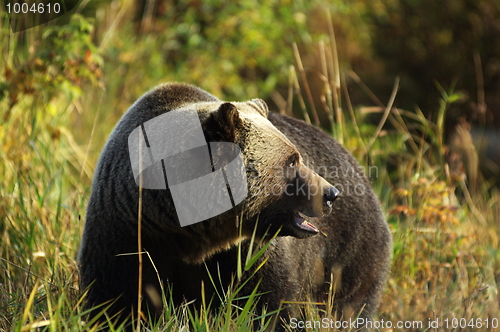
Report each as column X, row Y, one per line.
column 283, row 193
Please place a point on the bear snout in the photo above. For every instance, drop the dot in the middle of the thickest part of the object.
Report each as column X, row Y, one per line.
column 319, row 196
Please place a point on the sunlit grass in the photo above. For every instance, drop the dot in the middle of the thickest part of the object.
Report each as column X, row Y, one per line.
column 446, row 254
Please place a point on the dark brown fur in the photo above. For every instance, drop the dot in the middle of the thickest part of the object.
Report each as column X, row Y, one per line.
column 354, row 243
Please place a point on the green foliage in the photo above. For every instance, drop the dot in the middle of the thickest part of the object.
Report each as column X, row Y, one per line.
column 63, row 58
column 244, row 42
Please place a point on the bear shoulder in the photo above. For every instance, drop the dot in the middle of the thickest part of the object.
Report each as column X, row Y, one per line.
column 169, row 96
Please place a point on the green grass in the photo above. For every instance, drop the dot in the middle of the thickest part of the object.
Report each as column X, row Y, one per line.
column 57, row 110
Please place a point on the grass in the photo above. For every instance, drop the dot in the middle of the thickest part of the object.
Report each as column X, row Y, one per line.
column 57, row 111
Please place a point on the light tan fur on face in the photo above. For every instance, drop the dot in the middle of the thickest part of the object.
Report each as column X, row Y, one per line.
column 267, row 154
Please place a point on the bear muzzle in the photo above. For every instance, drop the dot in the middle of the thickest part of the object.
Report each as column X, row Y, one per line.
column 319, row 198
column 319, row 203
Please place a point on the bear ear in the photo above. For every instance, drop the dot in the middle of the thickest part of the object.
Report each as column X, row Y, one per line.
column 222, row 124
column 260, row 106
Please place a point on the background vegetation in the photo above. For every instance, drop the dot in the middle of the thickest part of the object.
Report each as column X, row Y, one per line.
column 335, row 64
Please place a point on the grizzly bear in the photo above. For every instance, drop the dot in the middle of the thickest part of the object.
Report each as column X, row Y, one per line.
column 294, row 173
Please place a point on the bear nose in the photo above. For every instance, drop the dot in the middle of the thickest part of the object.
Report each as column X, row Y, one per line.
column 331, row 195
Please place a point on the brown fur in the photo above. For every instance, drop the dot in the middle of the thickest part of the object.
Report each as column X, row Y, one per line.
column 280, row 153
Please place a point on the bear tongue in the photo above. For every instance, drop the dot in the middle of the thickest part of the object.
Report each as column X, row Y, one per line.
column 304, row 225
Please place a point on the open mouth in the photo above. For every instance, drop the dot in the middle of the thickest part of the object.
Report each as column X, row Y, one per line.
column 303, row 224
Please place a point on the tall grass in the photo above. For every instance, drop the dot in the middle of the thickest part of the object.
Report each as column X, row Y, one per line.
column 42, row 194
column 57, row 110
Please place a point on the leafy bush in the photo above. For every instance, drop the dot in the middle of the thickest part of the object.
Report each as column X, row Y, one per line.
column 245, row 43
